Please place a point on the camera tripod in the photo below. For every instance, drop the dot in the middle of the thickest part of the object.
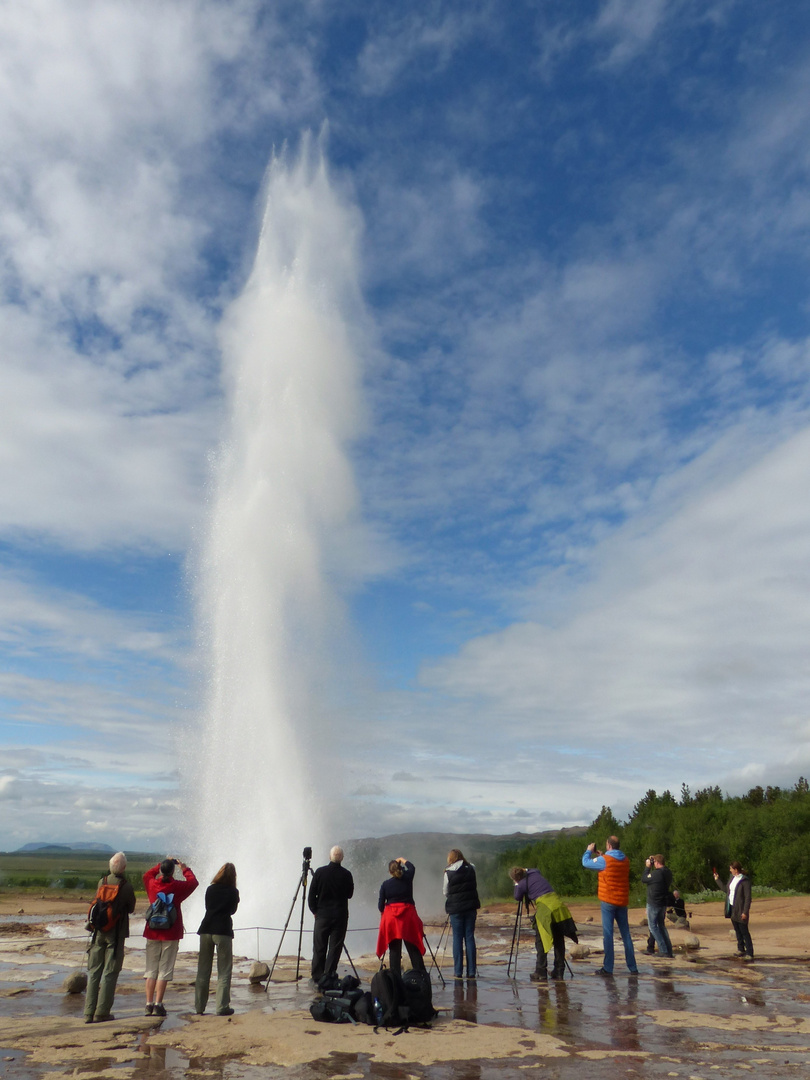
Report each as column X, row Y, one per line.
column 433, row 958
column 445, row 939
column 301, row 887
column 515, row 947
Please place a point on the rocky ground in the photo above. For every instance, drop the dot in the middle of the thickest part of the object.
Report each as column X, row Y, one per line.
column 704, row 1014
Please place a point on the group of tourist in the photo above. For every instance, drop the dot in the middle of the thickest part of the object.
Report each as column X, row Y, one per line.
column 613, row 890
column 331, row 889
column 163, row 932
column 400, row 924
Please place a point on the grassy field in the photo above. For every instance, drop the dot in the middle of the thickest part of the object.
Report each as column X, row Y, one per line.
column 31, row 871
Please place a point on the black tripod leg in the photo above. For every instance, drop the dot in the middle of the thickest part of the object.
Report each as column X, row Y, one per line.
column 351, row 962
column 283, row 932
column 515, row 940
column 301, row 927
column 302, row 883
column 433, row 958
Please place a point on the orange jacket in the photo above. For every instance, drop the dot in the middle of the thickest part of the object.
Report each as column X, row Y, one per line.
column 613, row 883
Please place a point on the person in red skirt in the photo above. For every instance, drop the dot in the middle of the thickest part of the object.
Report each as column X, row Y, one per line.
column 400, row 921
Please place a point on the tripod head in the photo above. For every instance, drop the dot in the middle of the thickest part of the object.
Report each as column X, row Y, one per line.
column 305, row 868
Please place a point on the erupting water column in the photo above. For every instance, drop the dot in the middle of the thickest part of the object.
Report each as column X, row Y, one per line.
column 277, row 541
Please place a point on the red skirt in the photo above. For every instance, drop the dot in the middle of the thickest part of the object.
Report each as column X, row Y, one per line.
column 400, row 921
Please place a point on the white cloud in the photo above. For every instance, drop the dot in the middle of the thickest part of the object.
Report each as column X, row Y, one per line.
column 407, row 45
column 692, row 632
column 631, row 25
column 48, row 810
column 108, row 380
column 34, row 618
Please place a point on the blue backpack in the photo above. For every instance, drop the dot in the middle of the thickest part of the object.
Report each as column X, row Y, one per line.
column 161, row 913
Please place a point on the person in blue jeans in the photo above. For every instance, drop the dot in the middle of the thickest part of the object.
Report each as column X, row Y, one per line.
column 613, row 890
column 657, row 877
column 461, row 903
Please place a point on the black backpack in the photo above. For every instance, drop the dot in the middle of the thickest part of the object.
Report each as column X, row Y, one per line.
column 388, row 992
column 418, row 996
column 364, row 1009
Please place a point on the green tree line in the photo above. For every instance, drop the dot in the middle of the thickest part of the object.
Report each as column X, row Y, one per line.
column 766, row 830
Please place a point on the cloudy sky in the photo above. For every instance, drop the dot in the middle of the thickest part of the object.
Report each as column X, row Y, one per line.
column 581, row 454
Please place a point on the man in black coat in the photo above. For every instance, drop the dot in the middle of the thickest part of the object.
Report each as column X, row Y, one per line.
column 657, row 877
column 329, row 894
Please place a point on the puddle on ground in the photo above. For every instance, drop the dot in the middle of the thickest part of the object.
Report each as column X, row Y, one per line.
column 654, row 1026
column 613, row 1022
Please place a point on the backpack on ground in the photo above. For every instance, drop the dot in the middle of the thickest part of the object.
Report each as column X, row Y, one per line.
column 364, row 1009
column 388, row 992
column 161, row 913
column 350, row 1005
column 331, row 1011
column 104, row 912
column 418, row 996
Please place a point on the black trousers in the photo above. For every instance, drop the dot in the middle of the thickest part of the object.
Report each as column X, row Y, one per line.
column 558, row 939
column 744, row 943
column 327, row 942
column 395, row 956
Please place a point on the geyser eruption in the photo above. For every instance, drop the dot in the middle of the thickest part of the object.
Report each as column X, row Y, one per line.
column 277, row 545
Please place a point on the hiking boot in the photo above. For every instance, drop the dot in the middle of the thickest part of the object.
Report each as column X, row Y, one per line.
column 538, row 976
column 225, row 1012
column 160, row 1009
column 101, row 1019
column 150, row 1008
column 603, row 971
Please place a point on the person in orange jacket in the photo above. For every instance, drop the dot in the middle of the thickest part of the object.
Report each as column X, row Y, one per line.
column 613, row 889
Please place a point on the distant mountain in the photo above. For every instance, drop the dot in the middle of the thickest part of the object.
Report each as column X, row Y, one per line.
column 56, row 848
column 433, row 847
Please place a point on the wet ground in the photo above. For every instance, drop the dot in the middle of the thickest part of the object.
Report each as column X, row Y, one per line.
column 695, row 1017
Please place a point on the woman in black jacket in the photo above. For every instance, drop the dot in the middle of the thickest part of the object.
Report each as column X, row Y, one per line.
column 216, row 932
column 461, row 903
column 738, row 907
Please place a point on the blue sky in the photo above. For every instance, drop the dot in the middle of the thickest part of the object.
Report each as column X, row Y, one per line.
column 576, row 565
